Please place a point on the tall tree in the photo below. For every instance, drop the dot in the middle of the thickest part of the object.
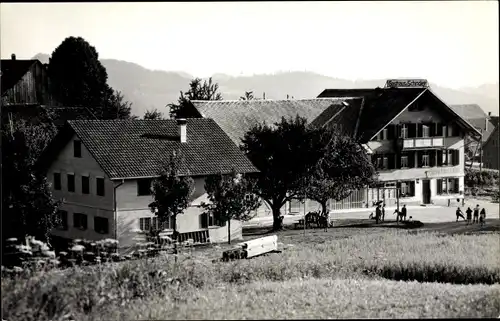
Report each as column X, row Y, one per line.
column 28, row 207
column 77, row 78
column 198, row 90
column 171, row 192
column 285, row 154
column 153, row 114
column 231, row 198
column 248, row 96
column 344, row 168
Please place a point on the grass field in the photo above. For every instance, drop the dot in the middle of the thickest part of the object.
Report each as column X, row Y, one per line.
column 343, row 273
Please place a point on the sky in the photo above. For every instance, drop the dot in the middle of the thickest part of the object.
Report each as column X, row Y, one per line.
column 453, row 44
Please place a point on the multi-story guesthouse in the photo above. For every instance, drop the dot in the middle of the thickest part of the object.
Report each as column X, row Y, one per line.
column 416, row 141
column 102, row 170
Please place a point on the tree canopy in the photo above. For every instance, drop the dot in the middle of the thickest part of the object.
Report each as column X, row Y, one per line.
column 171, row 192
column 285, row 154
column 153, row 114
column 77, row 78
column 198, row 90
column 231, row 198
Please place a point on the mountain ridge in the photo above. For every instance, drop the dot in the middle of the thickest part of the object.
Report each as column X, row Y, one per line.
column 147, row 89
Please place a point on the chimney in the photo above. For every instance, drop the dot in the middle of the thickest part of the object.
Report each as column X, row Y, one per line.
column 181, row 122
column 13, row 56
column 287, row 96
column 264, row 95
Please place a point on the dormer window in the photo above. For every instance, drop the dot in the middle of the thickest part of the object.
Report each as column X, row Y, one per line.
column 77, row 148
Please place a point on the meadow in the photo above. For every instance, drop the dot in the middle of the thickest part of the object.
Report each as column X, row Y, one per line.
column 342, row 273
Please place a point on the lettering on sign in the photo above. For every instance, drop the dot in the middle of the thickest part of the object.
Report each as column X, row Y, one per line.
column 443, row 171
column 406, row 83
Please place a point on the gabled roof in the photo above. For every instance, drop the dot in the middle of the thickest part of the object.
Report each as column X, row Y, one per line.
column 139, row 148
column 236, row 117
column 382, row 105
column 13, row 71
column 476, row 116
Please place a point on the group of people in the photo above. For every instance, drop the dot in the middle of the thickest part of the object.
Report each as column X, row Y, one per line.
column 380, row 213
column 479, row 216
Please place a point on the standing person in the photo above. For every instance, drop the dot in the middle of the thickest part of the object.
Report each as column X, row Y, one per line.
column 469, row 215
column 378, row 212
column 476, row 214
column 383, row 212
column 403, row 212
column 482, row 217
column 459, row 214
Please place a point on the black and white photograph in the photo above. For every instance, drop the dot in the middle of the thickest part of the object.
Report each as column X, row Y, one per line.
column 246, row 160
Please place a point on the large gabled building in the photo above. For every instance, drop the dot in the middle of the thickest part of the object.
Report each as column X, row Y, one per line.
column 102, row 170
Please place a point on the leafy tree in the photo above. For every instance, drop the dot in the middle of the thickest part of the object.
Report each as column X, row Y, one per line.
column 197, row 91
column 344, row 168
column 248, row 96
column 114, row 106
column 153, row 114
column 285, row 154
column 77, row 78
column 231, row 199
column 171, row 192
column 28, row 207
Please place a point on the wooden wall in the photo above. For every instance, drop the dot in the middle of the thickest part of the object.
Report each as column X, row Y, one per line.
column 33, row 88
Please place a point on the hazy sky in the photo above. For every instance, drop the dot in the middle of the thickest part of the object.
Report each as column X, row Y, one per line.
column 450, row 43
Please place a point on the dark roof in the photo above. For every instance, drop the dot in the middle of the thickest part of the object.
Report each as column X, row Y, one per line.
column 59, row 115
column 381, row 106
column 139, row 148
column 236, row 117
column 492, row 134
column 13, row 71
column 494, row 120
column 345, row 116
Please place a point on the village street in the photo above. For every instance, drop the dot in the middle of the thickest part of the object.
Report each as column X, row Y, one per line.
column 425, row 214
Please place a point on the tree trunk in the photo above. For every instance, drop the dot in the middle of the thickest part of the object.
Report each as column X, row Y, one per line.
column 277, row 222
column 174, row 223
column 229, row 231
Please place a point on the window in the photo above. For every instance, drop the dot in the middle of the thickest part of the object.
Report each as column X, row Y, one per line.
column 77, row 148
column 100, row 186
column 80, row 221
column 444, row 157
column 385, row 164
column 404, row 131
column 378, row 162
column 407, row 188
column 63, row 220
column 445, row 131
column 57, row 181
column 204, row 220
column 425, row 160
column 404, row 161
column 425, row 131
column 147, row 223
column 85, row 185
column 71, row 183
column 144, row 187
column 101, row 225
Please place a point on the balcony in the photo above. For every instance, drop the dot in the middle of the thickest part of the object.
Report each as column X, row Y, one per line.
column 416, row 143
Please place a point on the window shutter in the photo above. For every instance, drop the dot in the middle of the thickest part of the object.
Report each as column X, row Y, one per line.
column 419, row 130
column 392, row 161
column 411, row 160
column 432, row 129
column 412, row 130
column 391, row 132
column 439, row 186
column 456, row 158
column 457, row 182
column 432, row 158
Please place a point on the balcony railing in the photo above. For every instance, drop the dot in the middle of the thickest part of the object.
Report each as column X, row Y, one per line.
column 423, row 142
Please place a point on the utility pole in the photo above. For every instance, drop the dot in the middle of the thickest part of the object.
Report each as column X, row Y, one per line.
column 481, row 151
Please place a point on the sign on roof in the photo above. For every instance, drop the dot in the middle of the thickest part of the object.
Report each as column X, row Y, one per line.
column 406, row 83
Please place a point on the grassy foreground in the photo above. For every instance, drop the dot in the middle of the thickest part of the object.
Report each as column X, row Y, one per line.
column 340, row 273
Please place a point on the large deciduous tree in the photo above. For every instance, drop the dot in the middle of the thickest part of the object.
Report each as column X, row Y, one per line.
column 77, row 78
column 171, row 192
column 248, row 96
column 231, row 198
column 285, row 154
column 28, row 207
column 198, row 90
column 344, row 168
